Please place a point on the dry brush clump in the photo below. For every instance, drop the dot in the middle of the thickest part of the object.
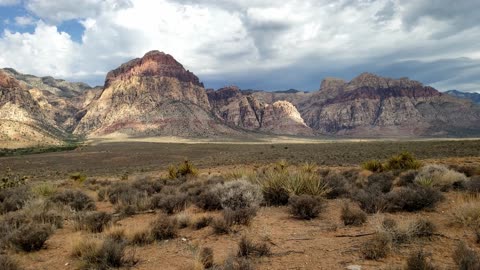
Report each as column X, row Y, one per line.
column 14, row 198
column 102, row 255
column 94, row 221
column 419, row 260
column 306, row 207
column 440, row 177
column 377, row 247
column 75, row 199
column 352, row 216
column 7, row 263
column 467, row 214
column 30, row 237
column 247, row 248
column 466, row 258
column 164, row 228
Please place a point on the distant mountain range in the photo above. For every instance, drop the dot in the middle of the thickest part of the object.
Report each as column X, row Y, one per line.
column 475, row 97
column 155, row 96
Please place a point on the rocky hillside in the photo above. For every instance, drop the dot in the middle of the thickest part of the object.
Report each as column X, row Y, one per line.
column 474, row 97
column 371, row 105
column 245, row 110
column 22, row 119
column 156, row 96
column 151, row 96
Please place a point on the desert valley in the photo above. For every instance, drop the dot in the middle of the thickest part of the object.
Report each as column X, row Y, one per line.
column 239, row 135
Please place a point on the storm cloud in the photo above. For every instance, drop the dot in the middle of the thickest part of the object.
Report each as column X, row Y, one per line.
column 256, row 44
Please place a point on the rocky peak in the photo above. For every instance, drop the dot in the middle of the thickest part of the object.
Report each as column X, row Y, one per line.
column 374, row 81
column 7, row 81
column 153, row 63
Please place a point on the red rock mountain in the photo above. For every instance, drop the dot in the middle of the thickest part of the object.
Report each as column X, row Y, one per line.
column 370, row 105
column 22, row 120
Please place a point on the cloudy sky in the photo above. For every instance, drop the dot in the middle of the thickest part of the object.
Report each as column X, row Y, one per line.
column 258, row 44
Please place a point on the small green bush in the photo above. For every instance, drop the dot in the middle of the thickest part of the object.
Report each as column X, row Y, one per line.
column 305, row 206
column 404, row 161
column 184, row 169
column 373, row 166
column 78, row 177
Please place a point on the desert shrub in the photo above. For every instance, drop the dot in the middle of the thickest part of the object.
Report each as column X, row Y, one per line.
column 163, row 228
column 377, row 247
column 141, row 238
column 373, row 166
column 466, row 258
column 246, row 248
column 96, row 255
column 411, row 199
column 240, row 216
column 275, row 196
column 78, row 177
column 370, row 201
column 352, row 216
column 43, row 212
column 337, row 184
column 381, row 181
column 101, row 194
column 147, row 186
column 422, row 228
column 407, row 178
column 419, row 260
column 236, row 263
column 274, row 188
column 30, row 237
column 13, row 199
column 94, row 222
column 184, row 169
column 238, row 194
column 182, row 220
column 202, row 222
column 75, row 199
column 397, row 235
column 468, row 170
column 205, row 257
column 440, row 177
column 404, row 161
column 7, row 263
column 467, row 214
column 208, row 201
column 301, row 183
column 9, row 223
column 305, row 206
column 220, row 226
column 44, row 189
column 473, row 185
column 123, row 193
column 169, row 203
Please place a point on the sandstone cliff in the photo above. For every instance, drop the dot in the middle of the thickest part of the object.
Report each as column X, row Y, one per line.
column 245, row 110
column 370, row 105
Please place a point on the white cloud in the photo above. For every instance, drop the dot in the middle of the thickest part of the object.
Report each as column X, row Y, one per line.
column 24, row 20
column 240, row 39
column 44, row 52
column 9, row 2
